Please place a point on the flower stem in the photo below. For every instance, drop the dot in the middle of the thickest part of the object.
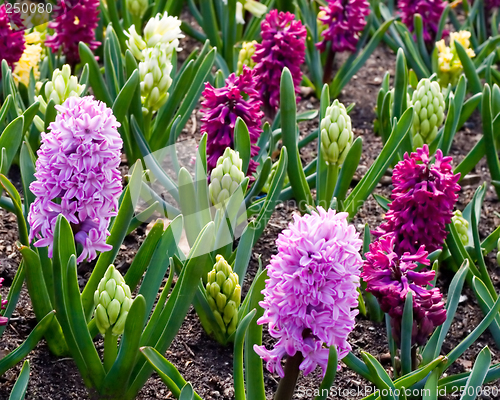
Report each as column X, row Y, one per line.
column 286, row 386
column 332, row 175
column 328, row 70
column 110, row 349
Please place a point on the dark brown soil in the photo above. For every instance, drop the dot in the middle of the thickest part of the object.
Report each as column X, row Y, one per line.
column 207, row 365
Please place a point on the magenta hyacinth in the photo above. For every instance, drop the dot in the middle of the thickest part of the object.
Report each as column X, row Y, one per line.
column 3, row 303
column 430, row 10
column 221, row 108
column 12, row 41
column 344, row 21
column 390, row 277
column 74, row 21
column 489, row 4
column 423, row 199
column 77, row 175
column 283, row 45
column 311, row 294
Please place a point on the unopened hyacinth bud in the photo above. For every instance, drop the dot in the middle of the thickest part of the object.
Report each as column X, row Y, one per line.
column 3, row 303
column 428, row 112
column 311, row 296
column 77, row 176
column 245, row 56
column 155, row 72
column 224, row 295
column 62, row 86
column 135, row 43
column 423, row 199
column 462, row 226
column 226, row 177
column 112, row 300
column 137, row 8
column 389, row 277
column 336, row 134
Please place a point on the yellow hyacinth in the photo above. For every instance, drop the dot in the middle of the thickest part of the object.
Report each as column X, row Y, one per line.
column 450, row 66
column 28, row 61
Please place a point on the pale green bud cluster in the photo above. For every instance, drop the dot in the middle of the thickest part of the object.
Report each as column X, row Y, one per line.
column 245, row 56
column 154, row 72
column 462, row 226
column 62, row 86
column 226, row 177
column 336, row 134
column 428, row 112
column 224, row 295
column 112, row 300
column 135, row 43
column 137, row 8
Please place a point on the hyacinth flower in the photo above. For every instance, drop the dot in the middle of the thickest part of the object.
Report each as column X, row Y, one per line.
column 77, row 176
column 74, row 21
column 450, row 66
column 12, row 41
column 222, row 107
column 343, row 22
column 162, row 30
column 29, row 60
column 283, row 45
column 462, row 226
column 226, row 177
column 245, row 56
column 311, row 294
column 390, row 276
column 428, row 112
column 423, row 199
column 429, row 10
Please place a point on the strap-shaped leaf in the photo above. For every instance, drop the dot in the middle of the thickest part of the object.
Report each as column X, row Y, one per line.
column 238, row 375
column 486, row 301
column 348, row 169
column 478, row 374
column 11, row 139
column 96, row 80
column 330, row 373
column 469, row 69
column 489, row 140
column 21, row 385
column 242, row 142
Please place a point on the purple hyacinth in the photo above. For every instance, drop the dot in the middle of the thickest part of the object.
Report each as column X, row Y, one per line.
column 3, row 303
column 430, row 10
column 311, row 294
column 77, row 175
column 489, row 4
column 12, row 41
column 422, row 204
column 222, row 107
column 390, row 277
column 75, row 21
column 283, row 45
column 344, row 21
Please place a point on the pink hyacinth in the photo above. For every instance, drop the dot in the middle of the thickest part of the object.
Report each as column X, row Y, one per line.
column 3, row 303
column 75, row 21
column 311, row 294
column 283, row 45
column 423, row 199
column 77, row 176
column 430, row 10
column 390, row 277
column 221, row 108
column 344, row 21
column 12, row 41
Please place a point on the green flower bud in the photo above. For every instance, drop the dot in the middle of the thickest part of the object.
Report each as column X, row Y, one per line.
column 154, row 72
column 245, row 56
column 225, row 303
column 336, row 133
column 270, row 178
column 428, row 112
column 226, row 177
column 137, row 8
column 62, row 86
column 112, row 300
column 462, row 226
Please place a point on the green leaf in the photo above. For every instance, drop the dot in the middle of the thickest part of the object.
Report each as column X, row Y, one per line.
column 27, row 166
column 242, row 142
column 187, row 392
column 478, row 373
column 486, row 302
column 96, row 80
column 244, row 251
column 11, row 139
column 28, row 345
column 238, row 376
column 21, row 385
column 296, row 174
column 489, row 141
column 125, row 96
column 469, row 69
column 330, row 373
column 13, row 295
column 16, row 200
column 348, row 169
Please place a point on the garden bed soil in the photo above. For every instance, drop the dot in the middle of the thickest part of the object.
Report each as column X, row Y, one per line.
column 202, row 361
